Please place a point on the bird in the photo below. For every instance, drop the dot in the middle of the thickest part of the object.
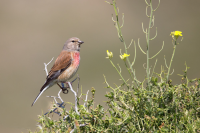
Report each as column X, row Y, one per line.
column 65, row 66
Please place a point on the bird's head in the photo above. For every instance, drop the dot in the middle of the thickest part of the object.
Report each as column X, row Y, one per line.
column 73, row 44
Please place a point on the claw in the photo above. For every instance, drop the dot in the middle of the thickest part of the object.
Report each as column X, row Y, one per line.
column 64, row 89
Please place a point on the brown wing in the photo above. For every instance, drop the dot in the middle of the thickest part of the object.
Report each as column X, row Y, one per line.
column 63, row 61
column 61, row 64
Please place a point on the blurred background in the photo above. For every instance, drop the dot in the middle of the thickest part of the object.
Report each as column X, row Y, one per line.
column 32, row 32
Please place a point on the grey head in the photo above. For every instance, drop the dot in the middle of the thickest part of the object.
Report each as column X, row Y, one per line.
column 73, row 44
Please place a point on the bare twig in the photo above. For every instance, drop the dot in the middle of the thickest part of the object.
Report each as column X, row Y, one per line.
column 59, row 96
column 45, row 65
column 78, row 83
column 54, row 98
column 86, row 99
column 72, row 131
column 75, row 95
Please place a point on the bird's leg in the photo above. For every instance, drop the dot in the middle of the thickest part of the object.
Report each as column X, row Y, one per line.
column 64, row 89
column 73, row 80
column 67, row 85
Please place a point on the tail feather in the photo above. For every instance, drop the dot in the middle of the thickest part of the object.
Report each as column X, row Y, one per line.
column 44, row 88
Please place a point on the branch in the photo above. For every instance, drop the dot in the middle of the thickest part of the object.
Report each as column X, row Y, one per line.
column 140, row 47
column 153, row 68
column 78, row 83
column 45, row 65
column 155, row 35
column 158, row 51
column 86, row 99
column 59, row 104
column 75, row 95
column 134, row 56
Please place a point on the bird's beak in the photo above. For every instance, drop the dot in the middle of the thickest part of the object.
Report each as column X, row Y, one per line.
column 80, row 42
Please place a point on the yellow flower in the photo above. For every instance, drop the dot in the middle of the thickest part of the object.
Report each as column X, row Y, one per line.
column 110, row 54
column 176, row 34
column 123, row 57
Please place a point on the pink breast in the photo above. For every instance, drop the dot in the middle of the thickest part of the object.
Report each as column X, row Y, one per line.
column 76, row 59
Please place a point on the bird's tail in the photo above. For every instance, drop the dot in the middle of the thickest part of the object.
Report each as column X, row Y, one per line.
column 44, row 88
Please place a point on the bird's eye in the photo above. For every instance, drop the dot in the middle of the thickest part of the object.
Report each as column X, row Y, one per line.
column 73, row 41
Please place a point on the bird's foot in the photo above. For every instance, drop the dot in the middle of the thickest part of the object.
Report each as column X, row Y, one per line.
column 63, row 88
